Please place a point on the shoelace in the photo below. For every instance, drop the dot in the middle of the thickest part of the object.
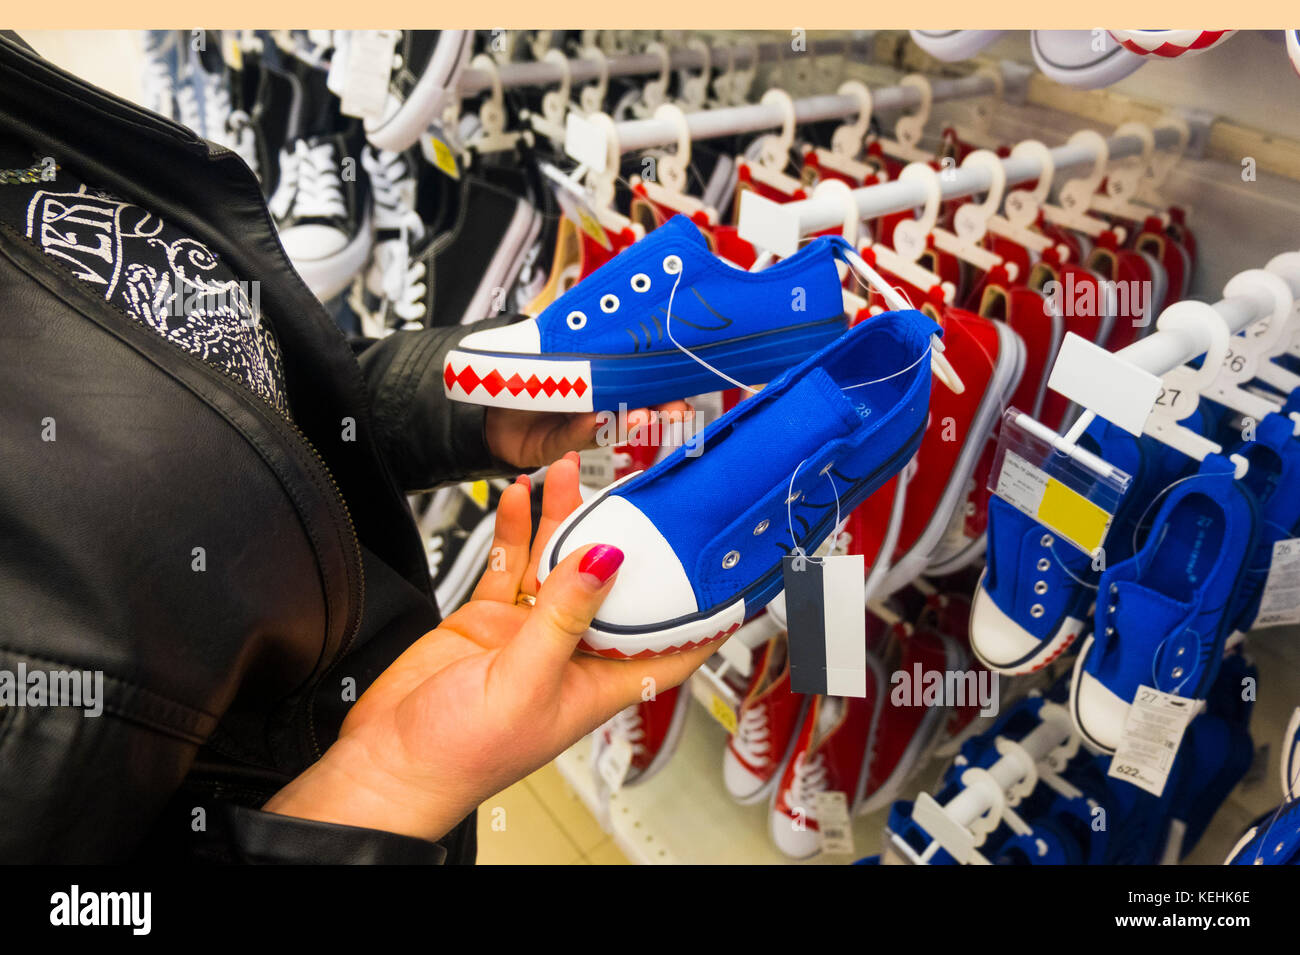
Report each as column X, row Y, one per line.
column 216, row 110
column 158, row 85
column 753, row 737
column 187, row 105
column 403, row 278
column 627, row 724
column 240, row 138
column 320, row 190
column 810, row 778
column 391, row 183
column 281, row 201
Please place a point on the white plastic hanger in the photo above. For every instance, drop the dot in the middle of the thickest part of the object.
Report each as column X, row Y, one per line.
column 655, row 92
column 493, row 137
column 910, row 242
column 1162, row 164
column 724, row 82
column 695, row 89
column 1021, row 206
column 971, row 221
column 909, row 129
column 775, row 155
column 601, row 184
column 1248, row 350
column 669, row 187
column 555, row 103
column 1124, row 178
column 1076, row 196
column 847, row 141
column 592, row 96
column 1182, row 387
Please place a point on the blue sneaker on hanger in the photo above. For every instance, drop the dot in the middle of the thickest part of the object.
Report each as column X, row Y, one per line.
column 704, row 531
column 1273, row 477
column 1033, row 598
column 626, row 334
column 1162, row 615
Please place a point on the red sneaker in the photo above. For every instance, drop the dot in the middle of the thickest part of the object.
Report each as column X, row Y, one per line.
column 652, row 729
column 769, row 718
column 830, row 754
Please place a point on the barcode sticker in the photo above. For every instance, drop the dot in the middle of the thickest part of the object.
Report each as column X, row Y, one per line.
column 596, row 466
column 833, row 822
column 1152, row 734
column 1279, row 604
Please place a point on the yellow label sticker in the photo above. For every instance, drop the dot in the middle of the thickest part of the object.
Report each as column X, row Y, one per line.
column 1072, row 514
column 593, row 228
column 478, row 493
column 723, row 713
column 443, row 158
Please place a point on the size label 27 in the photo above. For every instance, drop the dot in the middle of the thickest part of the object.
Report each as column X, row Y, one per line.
column 1152, row 734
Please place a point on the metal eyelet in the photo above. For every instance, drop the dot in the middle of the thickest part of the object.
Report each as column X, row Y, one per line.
column 672, row 264
column 794, row 496
column 762, row 526
column 1040, row 587
column 826, row 470
column 1044, row 563
column 640, row 282
column 731, row 560
column 609, row 303
column 576, row 320
column 1176, row 672
column 1114, row 589
column 1036, row 610
column 1046, row 540
column 1110, row 631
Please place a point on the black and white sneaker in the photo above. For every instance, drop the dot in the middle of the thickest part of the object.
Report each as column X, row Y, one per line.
column 326, row 232
column 158, row 78
column 386, row 297
column 426, row 69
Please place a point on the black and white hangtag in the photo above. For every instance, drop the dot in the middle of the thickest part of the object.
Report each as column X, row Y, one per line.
column 826, row 621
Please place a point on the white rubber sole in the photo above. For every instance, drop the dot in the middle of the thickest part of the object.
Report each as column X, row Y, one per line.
column 765, row 791
column 330, row 276
column 403, row 128
column 1048, row 651
column 673, row 737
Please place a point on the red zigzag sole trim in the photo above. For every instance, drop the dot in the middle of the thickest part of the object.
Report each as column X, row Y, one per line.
column 650, row 654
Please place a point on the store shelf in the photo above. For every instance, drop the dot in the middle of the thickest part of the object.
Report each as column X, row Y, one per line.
column 684, row 815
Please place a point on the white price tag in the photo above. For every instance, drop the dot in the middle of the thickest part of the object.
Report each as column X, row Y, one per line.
column 613, row 762
column 833, row 823
column 1152, row 734
column 596, row 466
column 369, row 66
column 1279, row 604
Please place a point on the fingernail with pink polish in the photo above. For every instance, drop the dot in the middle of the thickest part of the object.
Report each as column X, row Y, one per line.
column 525, row 481
column 599, row 564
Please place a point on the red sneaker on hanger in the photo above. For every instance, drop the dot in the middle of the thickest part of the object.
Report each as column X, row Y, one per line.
column 768, row 724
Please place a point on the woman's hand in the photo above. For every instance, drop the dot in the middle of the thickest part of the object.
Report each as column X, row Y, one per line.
column 491, row 695
column 528, row 439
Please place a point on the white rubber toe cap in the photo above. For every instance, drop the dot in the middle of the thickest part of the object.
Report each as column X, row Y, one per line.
column 310, row 243
column 521, row 338
column 795, row 843
column 1099, row 712
column 1000, row 642
column 741, row 783
column 652, row 586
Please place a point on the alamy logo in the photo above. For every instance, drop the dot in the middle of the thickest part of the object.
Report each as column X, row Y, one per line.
column 131, row 909
column 81, row 689
column 923, row 687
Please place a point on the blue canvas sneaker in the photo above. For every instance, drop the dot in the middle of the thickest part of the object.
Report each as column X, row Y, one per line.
column 1034, row 595
column 704, row 531
column 614, row 339
column 1273, row 476
column 1162, row 615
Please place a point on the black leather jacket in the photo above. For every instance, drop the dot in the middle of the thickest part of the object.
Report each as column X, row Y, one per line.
column 220, row 684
